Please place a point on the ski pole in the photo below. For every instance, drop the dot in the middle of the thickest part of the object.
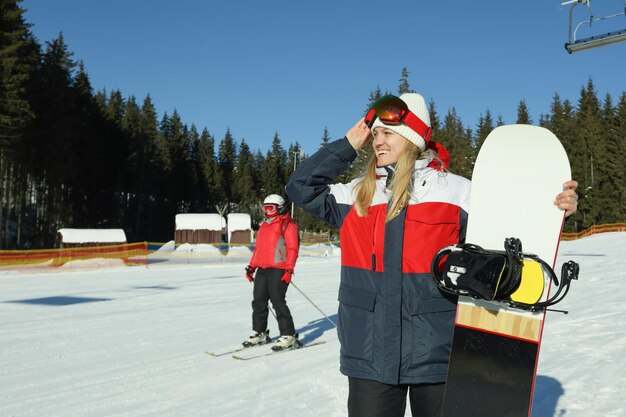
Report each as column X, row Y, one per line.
column 314, row 305
column 270, row 309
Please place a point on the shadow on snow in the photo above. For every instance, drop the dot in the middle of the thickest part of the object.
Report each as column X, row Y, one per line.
column 547, row 393
column 314, row 329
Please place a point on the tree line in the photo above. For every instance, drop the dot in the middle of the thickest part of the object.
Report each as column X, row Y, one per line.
column 74, row 157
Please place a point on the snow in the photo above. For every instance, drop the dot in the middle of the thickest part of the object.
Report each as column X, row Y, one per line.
column 130, row 341
column 199, row 221
column 201, row 254
column 93, row 235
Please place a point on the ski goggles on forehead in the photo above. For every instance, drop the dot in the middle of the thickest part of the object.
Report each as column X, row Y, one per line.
column 393, row 111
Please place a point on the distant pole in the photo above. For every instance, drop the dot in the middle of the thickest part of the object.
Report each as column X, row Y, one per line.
column 295, row 159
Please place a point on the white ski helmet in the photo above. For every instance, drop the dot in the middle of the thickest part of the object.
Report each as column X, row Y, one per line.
column 274, row 199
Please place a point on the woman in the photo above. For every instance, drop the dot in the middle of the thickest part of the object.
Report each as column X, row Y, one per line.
column 395, row 327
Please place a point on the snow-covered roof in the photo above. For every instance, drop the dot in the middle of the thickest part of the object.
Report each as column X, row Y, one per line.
column 239, row 221
column 92, row 235
column 200, row 221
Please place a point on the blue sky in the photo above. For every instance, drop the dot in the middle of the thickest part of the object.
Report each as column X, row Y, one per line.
column 296, row 67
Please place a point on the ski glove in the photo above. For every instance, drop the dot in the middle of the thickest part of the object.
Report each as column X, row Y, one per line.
column 287, row 276
column 250, row 273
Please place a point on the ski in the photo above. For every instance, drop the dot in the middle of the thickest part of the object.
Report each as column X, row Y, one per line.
column 248, row 357
column 232, row 351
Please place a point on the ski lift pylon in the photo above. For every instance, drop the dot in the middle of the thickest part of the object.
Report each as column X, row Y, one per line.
column 575, row 45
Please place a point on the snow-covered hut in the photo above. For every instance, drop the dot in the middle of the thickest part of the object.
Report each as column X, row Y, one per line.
column 239, row 228
column 199, row 228
column 73, row 238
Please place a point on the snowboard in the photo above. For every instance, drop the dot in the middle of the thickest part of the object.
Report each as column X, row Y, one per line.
column 518, row 173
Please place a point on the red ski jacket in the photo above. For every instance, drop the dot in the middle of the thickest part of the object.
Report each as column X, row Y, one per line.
column 277, row 244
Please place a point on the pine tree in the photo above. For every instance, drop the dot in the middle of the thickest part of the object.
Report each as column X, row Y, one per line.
column 148, row 177
column 373, row 96
column 131, row 125
column 195, row 171
column 404, row 82
column 181, row 177
column 435, row 124
column 18, row 59
column 457, row 140
column 50, row 150
column 325, row 137
column 559, row 118
column 259, row 166
column 226, row 160
column 244, row 183
column 589, row 128
column 273, row 176
column 611, row 173
column 93, row 180
column 560, row 121
column 115, row 143
column 54, row 103
column 101, row 99
column 621, row 157
column 483, row 129
column 115, row 107
column 523, row 117
column 209, row 182
column 295, row 155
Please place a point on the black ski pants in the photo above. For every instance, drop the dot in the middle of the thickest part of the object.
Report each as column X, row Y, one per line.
column 374, row 399
column 268, row 286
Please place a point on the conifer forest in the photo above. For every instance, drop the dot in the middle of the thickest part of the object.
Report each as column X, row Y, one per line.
column 74, row 157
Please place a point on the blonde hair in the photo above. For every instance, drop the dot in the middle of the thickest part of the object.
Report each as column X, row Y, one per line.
column 401, row 183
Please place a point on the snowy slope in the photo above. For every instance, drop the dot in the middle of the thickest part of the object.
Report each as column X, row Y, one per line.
column 131, row 341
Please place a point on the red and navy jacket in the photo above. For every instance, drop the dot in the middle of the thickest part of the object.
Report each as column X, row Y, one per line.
column 277, row 244
column 394, row 325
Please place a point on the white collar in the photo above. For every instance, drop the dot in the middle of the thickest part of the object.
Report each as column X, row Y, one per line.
column 421, row 163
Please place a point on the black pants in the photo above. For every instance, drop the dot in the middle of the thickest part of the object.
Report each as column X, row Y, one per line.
column 373, row 399
column 268, row 286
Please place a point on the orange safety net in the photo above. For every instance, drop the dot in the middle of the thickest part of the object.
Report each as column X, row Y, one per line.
column 129, row 253
column 602, row 228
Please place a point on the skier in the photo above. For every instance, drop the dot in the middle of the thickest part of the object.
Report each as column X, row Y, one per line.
column 395, row 327
column 273, row 259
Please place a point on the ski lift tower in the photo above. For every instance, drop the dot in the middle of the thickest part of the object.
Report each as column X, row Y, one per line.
column 575, row 45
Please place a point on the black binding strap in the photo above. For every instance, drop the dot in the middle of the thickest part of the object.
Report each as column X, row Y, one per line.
column 470, row 270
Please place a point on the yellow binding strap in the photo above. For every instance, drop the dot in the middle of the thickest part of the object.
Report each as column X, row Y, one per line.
column 531, row 286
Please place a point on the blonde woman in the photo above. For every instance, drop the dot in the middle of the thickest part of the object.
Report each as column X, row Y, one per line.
column 394, row 325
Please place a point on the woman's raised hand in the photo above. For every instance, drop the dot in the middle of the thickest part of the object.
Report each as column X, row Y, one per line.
column 359, row 134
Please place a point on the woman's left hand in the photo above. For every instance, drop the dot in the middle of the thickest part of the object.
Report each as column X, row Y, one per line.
column 568, row 199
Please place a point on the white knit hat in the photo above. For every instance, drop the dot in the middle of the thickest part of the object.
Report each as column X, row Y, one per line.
column 417, row 105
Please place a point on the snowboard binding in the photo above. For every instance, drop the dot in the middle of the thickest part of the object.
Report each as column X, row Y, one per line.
column 510, row 276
